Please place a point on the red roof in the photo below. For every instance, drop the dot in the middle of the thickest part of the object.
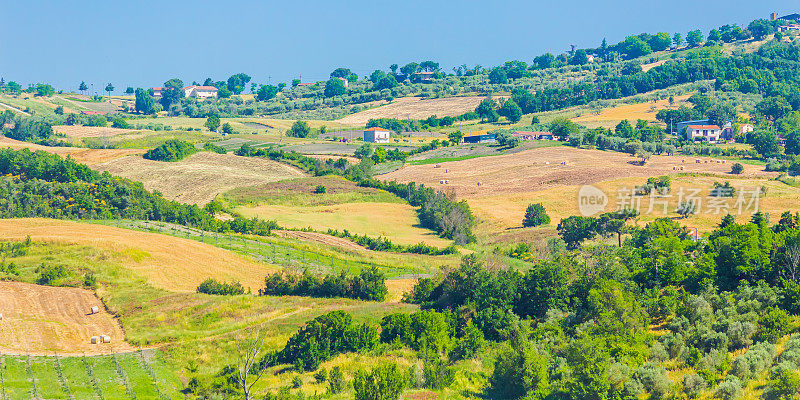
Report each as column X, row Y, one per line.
column 708, row 127
column 93, row 113
column 376, row 129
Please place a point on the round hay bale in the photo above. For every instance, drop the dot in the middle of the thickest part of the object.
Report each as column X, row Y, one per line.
column 94, row 339
column 95, row 310
column 106, row 339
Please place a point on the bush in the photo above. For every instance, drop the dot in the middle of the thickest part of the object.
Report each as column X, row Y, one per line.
column 171, row 150
column 535, row 215
column 336, row 381
column 211, row 286
column 425, row 331
column 369, row 285
column 214, row 148
column 470, row 343
column 786, row 385
column 730, row 389
column 737, row 168
column 321, row 375
column 773, row 325
column 385, row 382
column 694, row 385
column 319, row 189
column 519, row 371
column 325, row 337
column 51, row 274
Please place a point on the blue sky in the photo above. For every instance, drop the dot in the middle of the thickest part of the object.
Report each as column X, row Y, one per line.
column 143, row 43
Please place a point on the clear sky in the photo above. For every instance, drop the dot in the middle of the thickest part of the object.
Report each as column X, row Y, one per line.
column 142, row 43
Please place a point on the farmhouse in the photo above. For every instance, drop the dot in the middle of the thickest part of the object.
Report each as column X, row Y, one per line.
column 479, row 137
column 158, row 91
column 726, row 131
column 710, row 133
column 425, row 76
column 377, row 135
column 200, row 92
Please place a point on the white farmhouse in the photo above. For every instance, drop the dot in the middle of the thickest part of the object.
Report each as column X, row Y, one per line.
column 200, row 92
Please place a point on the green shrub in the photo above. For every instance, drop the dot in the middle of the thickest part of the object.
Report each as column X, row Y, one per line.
column 51, row 274
column 325, row 337
column 385, row 382
column 321, row 375
column 535, row 215
column 369, row 285
column 336, row 381
column 773, row 325
column 737, row 168
column 214, row 148
column 212, row 286
column 171, row 150
column 319, row 189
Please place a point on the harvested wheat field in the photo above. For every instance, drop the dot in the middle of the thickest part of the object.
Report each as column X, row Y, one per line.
column 78, row 131
column 200, row 177
column 89, row 157
column 505, row 211
column 415, row 108
column 541, row 169
column 396, row 221
column 166, row 262
column 610, row 117
column 44, row 319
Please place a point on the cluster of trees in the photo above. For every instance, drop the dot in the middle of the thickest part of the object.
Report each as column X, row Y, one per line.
column 171, row 150
column 575, row 324
column 323, row 338
column 40, row 184
column 369, row 285
column 27, row 129
column 491, row 111
column 212, row 286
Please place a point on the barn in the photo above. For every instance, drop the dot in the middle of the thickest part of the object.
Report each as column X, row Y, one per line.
column 377, row 135
column 480, row 137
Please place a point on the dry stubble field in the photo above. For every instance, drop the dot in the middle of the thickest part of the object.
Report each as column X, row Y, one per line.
column 43, row 320
column 610, row 117
column 200, row 177
column 415, row 108
column 510, row 182
column 89, row 157
column 166, row 262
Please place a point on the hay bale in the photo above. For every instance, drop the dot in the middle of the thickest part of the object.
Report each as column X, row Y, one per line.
column 94, row 339
column 106, row 339
column 95, row 310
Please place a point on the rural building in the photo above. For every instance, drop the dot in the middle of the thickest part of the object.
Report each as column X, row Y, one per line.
column 200, row 92
column 726, row 131
column 93, row 113
column 480, row 137
column 425, row 76
column 789, row 28
column 157, row 91
column 709, row 133
column 523, row 135
column 377, row 135
column 746, row 128
column 590, row 57
column 790, row 17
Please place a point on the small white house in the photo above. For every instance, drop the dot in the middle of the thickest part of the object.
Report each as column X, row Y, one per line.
column 377, row 135
column 200, row 92
column 708, row 133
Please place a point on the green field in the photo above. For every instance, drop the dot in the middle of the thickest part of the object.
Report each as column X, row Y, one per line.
column 139, row 375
